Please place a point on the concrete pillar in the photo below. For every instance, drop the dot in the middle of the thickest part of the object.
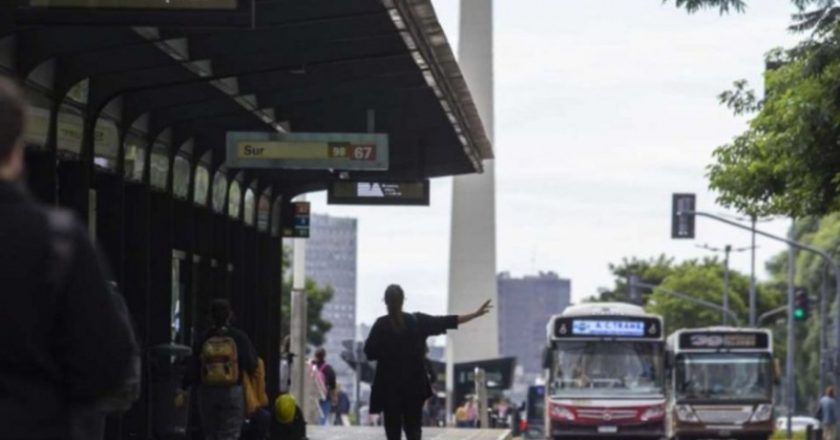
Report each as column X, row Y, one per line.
column 472, row 259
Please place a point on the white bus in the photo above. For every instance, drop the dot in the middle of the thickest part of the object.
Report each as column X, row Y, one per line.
column 721, row 383
column 605, row 373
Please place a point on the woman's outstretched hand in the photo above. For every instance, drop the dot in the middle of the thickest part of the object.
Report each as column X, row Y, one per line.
column 483, row 310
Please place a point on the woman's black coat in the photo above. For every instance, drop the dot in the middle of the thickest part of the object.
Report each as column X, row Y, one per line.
column 400, row 358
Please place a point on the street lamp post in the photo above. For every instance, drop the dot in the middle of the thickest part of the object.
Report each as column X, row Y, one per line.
column 727, row 250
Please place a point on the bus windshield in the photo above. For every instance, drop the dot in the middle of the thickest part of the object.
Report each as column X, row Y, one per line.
column 607, row 368
column 724, row 376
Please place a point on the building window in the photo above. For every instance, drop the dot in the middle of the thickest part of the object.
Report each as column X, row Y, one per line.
column 220, row 188
column 202, row 185
column 264, row 210
column 275, row 217
column 250, row 206
column 234, row 199
column 181, row 177
column 68, row 134
column 159, row 169
column 134, row 161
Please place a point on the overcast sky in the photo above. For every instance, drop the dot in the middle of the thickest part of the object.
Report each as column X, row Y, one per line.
column 603, row 109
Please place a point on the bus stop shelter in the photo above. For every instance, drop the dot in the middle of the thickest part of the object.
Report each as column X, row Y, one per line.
column 131, row 104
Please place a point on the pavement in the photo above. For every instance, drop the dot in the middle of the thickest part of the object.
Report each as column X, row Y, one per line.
column 377, row 433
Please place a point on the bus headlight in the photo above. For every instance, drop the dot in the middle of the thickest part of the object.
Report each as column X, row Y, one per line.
column 653, row 413
column 686, row 414
column 762, row 413
column 561, row 413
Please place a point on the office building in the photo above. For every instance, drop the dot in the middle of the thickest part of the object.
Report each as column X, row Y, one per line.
column 331, row 261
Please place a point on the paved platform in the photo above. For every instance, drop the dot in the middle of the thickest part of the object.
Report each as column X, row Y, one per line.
column 376, row 433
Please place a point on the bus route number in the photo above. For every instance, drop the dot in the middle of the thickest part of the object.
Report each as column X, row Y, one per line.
column 360, row 152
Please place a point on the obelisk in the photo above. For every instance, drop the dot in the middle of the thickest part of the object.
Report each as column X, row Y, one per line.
column 472, row 253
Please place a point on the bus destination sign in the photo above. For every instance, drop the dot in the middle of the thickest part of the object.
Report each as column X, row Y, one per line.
column 724, row 340
column 598, row 327
column 308, row 151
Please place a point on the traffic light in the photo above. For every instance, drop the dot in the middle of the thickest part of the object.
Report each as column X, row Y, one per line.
column 800, row 304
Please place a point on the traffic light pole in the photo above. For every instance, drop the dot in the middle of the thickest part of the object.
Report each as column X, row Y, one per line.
column 830, row 261
column 790, row 377
column 689, row 298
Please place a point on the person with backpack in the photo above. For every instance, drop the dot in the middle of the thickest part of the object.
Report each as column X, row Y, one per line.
column 67, row 346
column 325, row 380
column 223, row 354
column 397, row 341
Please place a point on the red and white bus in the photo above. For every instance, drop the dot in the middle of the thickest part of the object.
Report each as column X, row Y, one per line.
column 605, row 373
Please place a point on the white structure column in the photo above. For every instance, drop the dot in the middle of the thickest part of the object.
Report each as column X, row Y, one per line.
column 472, row 257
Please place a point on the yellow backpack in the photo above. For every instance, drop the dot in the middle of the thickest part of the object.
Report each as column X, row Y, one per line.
column 219, row 361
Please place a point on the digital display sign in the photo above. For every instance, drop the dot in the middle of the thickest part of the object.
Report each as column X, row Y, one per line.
column 189, row 13
column 724, row 340
column 591, row 327
column 308, row 151
column 296, row 220
column 136, row 4
column 379, row 193
column 607, row 327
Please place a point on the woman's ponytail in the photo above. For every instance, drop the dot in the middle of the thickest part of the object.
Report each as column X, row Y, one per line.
column 394, row 298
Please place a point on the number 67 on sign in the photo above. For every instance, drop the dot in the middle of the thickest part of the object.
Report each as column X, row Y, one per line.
column 308, row 151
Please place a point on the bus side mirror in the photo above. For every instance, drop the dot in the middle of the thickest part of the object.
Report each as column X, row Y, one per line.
column 669, row 361
column 546, row 358
column 777, row 375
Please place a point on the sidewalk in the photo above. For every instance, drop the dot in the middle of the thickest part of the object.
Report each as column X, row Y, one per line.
column 376, row 433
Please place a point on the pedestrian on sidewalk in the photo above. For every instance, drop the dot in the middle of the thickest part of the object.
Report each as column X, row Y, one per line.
column 67, row 344
column 223, row 354
column 827, row 414
column 325, row 380
column 397, row 342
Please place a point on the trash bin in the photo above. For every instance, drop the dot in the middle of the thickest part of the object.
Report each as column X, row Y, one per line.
column 168, row 363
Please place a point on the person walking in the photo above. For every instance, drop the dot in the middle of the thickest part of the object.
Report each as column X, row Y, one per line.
column 397, row 341
column 342, row 408
column 325, row 380
column 827, row 414
column 223, row 354
column 67, row 344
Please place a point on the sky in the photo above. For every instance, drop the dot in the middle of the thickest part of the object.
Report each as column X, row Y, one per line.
column 603, row 110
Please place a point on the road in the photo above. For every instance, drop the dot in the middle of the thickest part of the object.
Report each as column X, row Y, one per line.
column 376, row 433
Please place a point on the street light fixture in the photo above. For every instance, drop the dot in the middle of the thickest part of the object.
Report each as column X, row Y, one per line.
column 728, row 249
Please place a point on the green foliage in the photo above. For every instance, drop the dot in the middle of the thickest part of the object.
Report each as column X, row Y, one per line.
column 317, row 297
column 787, row 162
column 699, row 278
column 823, row 233
column 650, row 271
column 819, row 16
column 723, row 6
column 702, row 279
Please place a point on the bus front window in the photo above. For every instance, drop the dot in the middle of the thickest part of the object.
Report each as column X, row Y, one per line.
column 600, row 368
column 723, row 376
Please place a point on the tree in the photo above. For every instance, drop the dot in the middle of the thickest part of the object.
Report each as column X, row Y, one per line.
column 823, row 233
column 317, row 296
column 819, row 16
column 787, row 162
column 702, row 279
column 650, row 271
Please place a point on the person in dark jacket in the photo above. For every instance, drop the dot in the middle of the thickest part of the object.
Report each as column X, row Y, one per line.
column 397, row 342
column 65, row 345
column 222, row 408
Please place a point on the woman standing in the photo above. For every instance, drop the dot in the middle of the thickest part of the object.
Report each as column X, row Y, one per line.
column 397, row 342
